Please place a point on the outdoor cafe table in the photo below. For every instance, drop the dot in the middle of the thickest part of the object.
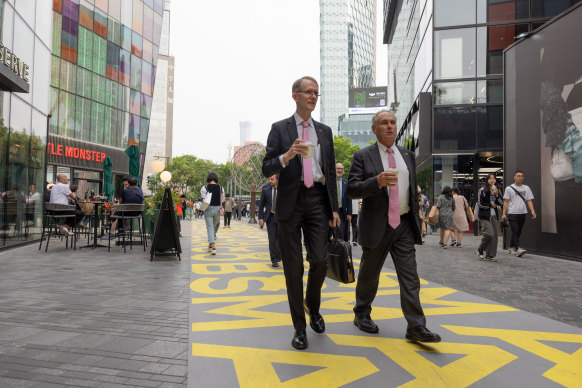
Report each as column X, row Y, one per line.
column 95, row 226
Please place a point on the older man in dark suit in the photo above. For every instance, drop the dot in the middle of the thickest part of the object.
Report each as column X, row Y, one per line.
column 301, row 150
column 384, row 176
column 267, row 216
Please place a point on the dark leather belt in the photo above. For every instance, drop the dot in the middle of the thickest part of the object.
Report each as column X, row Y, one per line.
column 316, row 186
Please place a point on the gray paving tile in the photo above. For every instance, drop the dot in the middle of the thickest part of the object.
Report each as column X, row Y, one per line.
column 162, row 349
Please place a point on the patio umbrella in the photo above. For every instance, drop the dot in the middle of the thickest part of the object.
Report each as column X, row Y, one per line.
column 133, row 153
column 108, row 188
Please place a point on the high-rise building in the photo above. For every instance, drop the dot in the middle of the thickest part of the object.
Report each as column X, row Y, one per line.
column 162, row 117
column 104, row 56
column 25, row 56
column 445, row 72
column 245, row 132
column 347, row 53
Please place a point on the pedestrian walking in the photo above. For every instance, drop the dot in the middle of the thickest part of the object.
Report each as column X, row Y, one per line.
column 344, row 202
column 267, row 206
column 307, row 201
column 212, row 212
column 460, row 223
column 356, row 203
column 515, row 198
column 190, row 208
column 228, row 205
column 446, row 205
column 384, row 176
column 490, row 199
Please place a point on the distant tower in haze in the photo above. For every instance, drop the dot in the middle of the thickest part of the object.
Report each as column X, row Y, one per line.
column 347, row 34
column 245, row 132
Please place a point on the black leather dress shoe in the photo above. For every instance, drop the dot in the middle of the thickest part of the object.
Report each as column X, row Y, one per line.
column 299, row 341
column 421, row 334
column 366, row 324
column 274, row 263
column 315, row 320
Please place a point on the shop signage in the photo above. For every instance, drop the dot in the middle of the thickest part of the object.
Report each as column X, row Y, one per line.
column 74, row 152
column 14, row 73
column 63, row 151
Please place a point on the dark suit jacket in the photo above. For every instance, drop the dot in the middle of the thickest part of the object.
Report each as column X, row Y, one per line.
column 373, row 219
column 283, row 134
column 266, row 203
column 346, row 201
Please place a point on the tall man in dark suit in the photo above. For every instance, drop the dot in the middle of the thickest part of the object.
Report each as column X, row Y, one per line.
column 301, row 150
column 345, row 203
column 388, row 223
column 267, row 215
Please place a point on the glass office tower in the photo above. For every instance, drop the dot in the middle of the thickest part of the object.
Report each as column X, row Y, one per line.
column 453, row 49
column 25, row 39
column 103, row 67
column 347, row 53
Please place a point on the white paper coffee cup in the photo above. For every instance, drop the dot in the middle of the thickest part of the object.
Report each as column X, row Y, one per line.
column 309, row 154
column 389, row 169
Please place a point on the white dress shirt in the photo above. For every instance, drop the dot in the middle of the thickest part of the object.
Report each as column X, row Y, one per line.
column 316, row 164
column 403, row 175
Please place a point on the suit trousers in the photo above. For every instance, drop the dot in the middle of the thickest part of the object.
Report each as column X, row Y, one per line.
column 273, row 243
column 399, row 243
column 344, row 228
column 309, row 215
column 354, row 228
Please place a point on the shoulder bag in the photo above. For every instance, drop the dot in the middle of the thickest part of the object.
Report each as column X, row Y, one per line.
column 206, row 201
column 433, row 216
column 339, row 259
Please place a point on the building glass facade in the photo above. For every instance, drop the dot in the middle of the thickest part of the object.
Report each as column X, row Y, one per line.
column 159, row 143
column 25, row 30
column 454, row 50
column 103, row 68
column 347, row 53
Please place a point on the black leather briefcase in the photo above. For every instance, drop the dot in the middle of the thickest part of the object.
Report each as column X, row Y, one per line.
column 340, row 266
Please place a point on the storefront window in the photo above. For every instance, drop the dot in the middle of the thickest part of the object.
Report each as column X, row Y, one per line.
column 454, row 129
column 490, row 128
column 550, row 8
column 464, row 12
column 501, row 11
column 455, row 53
column 450, row 93
column 499, row 38
column 490, row 91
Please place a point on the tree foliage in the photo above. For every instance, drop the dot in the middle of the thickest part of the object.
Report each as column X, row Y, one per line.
column 189, row 173
column 344, row 150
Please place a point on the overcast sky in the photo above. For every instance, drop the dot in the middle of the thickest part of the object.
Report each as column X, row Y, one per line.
column 236, row 61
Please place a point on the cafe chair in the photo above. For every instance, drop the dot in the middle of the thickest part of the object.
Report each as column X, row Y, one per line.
column 125, row 214
column 54, row 214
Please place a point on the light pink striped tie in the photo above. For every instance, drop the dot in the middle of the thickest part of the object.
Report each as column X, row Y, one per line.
column 307, row 166
column 393, row 201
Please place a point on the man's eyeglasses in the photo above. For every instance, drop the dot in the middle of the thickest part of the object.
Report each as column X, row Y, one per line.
column 309, row 93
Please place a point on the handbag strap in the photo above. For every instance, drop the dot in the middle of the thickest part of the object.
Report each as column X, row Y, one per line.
column 518, row 193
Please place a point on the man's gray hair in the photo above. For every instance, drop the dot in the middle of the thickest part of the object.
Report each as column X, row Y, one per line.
column 297, row 84
column 60, row 176
column 377, row 114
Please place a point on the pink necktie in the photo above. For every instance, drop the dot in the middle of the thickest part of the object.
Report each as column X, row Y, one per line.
column 394, row 203
column 307, row 167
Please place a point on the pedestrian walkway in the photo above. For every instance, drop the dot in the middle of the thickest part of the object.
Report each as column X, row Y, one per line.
column 89, row 318
column 240, row 329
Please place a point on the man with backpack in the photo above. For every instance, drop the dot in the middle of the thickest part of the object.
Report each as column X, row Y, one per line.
column 515, row 198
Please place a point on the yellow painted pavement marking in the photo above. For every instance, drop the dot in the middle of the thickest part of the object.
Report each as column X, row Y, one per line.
column 243, row 264
column 568, row 369
column 479, row 360
column 254, row 366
